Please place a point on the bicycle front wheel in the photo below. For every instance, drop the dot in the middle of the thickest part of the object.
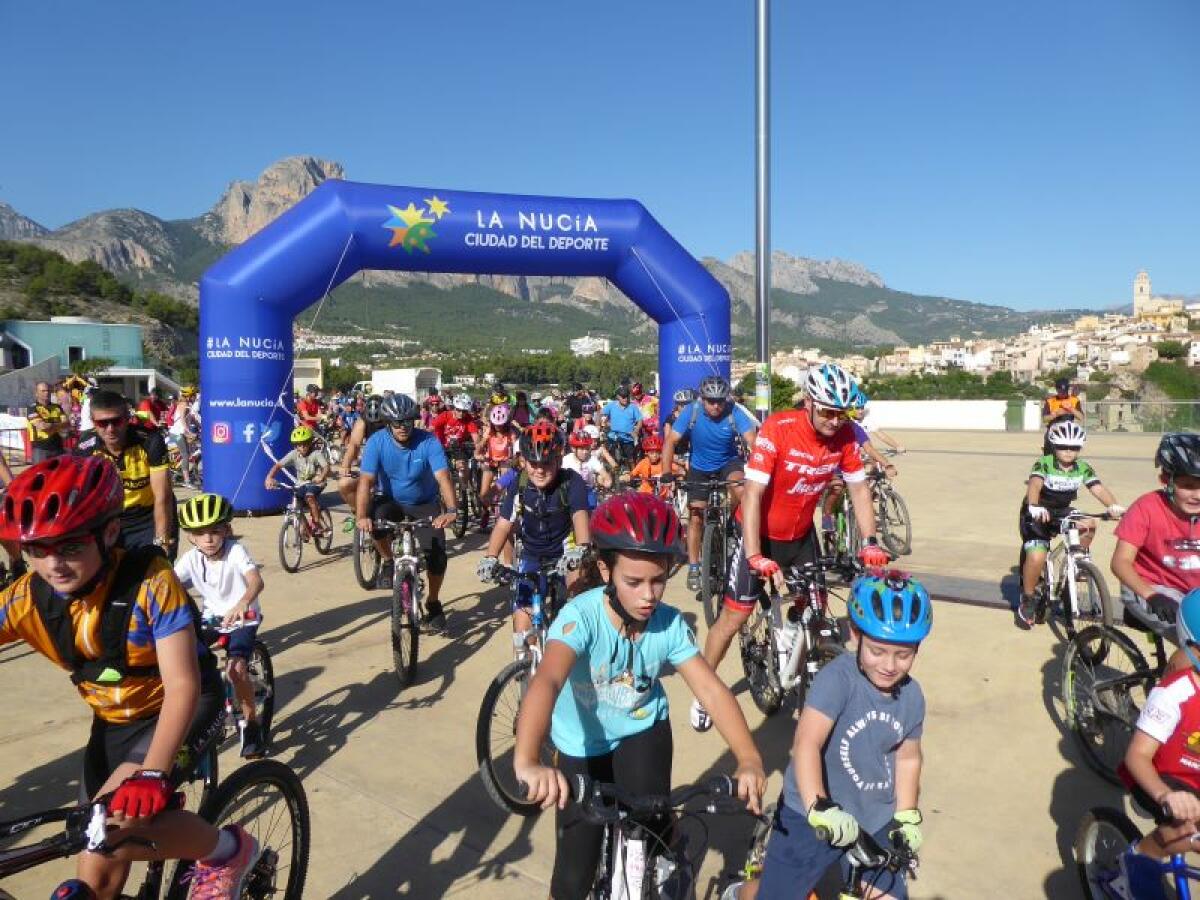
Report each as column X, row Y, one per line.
column 712, row 570
column 496, row 737
column 1104, row 834
column 404, row 628
column 761, row 662
column 324, row 541
column 1105, row 683
column 262, row 678
column 267, row 799
column 893, row 522
column 1091, row 592
column 291, row 544
column 366, row 559
column 463, row 504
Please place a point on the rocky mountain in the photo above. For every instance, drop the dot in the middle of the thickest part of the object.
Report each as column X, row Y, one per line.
column 831, row 302
column 16, row 227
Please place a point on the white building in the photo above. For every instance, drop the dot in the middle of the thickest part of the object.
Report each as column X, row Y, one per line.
column 589, row 346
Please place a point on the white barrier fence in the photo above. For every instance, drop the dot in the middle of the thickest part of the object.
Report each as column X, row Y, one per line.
column 957, row 415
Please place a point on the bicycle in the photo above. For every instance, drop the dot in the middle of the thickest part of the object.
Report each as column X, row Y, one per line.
column 261, row 673
column 466, row 489
column 844, row 542
column 295, row 531
column 624, row 453
column 408, row 590
column 1068, row 565
column 279, row 822
column 1104, row 834
column 892, row 520
column 716, row 546
column 865, row 855
column 496, row 726
column 366, row 559
column 1105, row 683
column 783, row 649
column 663, row 870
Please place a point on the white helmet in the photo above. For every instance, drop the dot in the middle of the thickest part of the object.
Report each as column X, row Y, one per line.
column 1066, row 434
column 462, row 402
column 831, row 385
column 592, row 431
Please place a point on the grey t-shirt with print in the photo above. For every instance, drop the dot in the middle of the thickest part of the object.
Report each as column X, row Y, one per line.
column 305, row 467
column 859, row 760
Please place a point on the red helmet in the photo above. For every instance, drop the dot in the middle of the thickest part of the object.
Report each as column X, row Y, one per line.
column 540, row 442
column 639, row 523
column 62, row 496
column 651, row 443
column 581, row 439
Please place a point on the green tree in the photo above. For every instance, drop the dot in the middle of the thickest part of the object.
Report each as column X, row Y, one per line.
column 85, row 367
column 783, row 390
column 1171, row 349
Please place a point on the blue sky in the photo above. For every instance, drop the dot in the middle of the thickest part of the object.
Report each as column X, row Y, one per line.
column 1026, row 153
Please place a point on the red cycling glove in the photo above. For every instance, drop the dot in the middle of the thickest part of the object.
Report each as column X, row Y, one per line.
column 873, row 556
column 762, row 566
column 142, row 794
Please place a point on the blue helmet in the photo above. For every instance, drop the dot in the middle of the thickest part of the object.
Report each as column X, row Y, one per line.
column 894, row 607
column 1187, row 624
column 858, row 400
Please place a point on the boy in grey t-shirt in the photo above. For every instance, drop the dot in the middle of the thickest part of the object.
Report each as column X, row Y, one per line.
column 856, row 757
column 311, row 466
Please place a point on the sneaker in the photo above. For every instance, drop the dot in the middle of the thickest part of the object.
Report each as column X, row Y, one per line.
column 386, row 572
column 224, row 881
column 733, row 891
column 434, row 620
column 693, row 578
column 1026, row 611
column 253, row 745
column 701, row 720
column 348, row 525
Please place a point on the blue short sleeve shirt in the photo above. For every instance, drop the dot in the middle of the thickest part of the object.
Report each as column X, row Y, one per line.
column 621, row 419
column 406, row 471
column 714, row 442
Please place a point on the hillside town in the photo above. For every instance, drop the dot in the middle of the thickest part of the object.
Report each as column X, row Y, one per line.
column 1110, row 342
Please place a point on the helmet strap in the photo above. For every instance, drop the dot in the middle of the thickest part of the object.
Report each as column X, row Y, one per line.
column 627, row 621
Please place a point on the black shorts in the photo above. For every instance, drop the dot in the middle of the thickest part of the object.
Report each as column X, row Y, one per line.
column 700, row 485
column 745, row 589
column 110, row 744
column 137, row 529
column 432, row 540
column 1037, row 535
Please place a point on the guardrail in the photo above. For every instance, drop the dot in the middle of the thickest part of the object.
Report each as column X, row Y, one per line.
column 1153, row 416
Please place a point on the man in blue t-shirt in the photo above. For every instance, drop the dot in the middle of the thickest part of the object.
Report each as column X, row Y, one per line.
column 713, row 425
column 623, row 422
column 410, row 468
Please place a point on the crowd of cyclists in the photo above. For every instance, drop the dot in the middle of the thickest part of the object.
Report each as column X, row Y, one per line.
column 594, row 489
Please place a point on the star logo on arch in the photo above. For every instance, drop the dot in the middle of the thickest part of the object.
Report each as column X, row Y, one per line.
column 411, row 226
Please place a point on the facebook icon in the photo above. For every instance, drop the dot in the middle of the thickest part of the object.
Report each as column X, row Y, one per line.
column 248, row 431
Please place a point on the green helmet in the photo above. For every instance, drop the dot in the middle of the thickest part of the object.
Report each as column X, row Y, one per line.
column 204, row 511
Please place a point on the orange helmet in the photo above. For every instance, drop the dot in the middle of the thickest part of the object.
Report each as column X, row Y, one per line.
column 652, row 443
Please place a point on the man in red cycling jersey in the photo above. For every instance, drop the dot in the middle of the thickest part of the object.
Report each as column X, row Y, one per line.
column 308, row 408
column 796, row 454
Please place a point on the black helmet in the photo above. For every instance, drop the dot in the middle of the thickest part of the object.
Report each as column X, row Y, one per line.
column 623, row 391
column 312, row 389
column 399, row 408
column 1062, row 384
column 714, row 387
column 371, row 408
column 577, row 387
column 1179, row 454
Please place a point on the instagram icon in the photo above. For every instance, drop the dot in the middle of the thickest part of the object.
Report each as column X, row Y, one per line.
column 222, row 433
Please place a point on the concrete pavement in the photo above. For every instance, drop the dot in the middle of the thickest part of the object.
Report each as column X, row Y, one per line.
column 397, row 807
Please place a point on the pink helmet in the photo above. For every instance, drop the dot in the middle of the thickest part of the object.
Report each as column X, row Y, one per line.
column 500, row 414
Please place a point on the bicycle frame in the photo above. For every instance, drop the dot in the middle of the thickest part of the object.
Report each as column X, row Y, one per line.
column 815, row 622
column 1061, row 562
column 546, row 588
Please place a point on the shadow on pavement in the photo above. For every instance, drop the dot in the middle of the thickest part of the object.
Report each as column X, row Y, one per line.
column 1076, row 789
column 49, row 786
column 326, row 627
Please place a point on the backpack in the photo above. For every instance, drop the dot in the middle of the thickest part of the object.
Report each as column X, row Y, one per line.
column 113, row 665
column 523, row 482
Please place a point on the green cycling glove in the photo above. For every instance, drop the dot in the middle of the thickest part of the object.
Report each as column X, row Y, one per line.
column 906, row 824
column 832, row 823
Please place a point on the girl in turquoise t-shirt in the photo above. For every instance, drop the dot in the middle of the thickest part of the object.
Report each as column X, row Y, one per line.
column 608, row 647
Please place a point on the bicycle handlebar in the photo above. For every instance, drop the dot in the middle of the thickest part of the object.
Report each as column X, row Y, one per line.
column 389, row 525
column 866, row 852
column 602, row 802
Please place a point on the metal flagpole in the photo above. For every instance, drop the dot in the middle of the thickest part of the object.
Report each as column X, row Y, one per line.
column 762, row 250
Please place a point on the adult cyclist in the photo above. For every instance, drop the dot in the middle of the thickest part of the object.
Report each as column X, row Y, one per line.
column 410, row 466
column 711, row 426
column 622, row 419
column 795, row 455
column 365, row 426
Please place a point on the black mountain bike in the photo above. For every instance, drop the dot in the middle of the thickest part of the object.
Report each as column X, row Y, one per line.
column 717, row 543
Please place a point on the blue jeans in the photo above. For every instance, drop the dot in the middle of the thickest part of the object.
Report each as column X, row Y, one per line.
column 797, row 859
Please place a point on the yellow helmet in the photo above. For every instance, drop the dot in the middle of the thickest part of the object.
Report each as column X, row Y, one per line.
column 204, row 511
column 302, row 434
column 188, row 392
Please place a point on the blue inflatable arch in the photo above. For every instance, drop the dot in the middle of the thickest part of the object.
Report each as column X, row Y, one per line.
column 249, row 298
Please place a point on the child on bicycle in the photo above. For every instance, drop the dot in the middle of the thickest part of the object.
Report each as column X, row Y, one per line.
column 495, row 450
column 856, row 756
column 311, row 468
column 1157, row 558
column 650, row 467
column 546, row 509
column 1053, row 485
column 121, row 623
column 588, row 462
column 229, row 584
column 1162, row 765
column 598, row 694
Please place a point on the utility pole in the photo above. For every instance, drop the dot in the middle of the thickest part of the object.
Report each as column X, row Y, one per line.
column 762, row 244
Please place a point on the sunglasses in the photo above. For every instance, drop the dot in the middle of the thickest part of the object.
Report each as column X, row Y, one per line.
column 828, row 412
column 407, row 423
column 109, row 423
column 71, row 548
